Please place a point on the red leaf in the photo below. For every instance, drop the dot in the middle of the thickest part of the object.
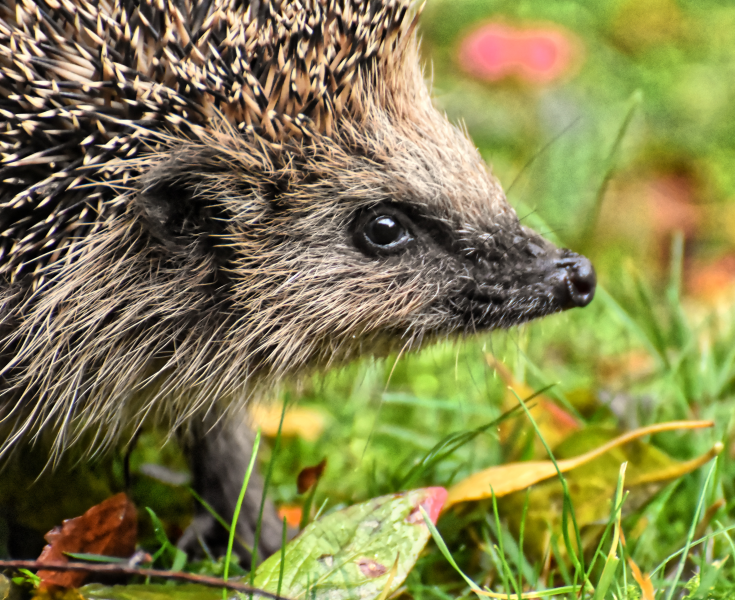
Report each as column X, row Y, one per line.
column 109, row 528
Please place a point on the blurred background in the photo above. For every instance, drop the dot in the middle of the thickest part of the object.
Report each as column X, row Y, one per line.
column 610, row 120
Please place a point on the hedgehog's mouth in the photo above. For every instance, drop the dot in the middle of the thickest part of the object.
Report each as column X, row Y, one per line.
column 525, row 292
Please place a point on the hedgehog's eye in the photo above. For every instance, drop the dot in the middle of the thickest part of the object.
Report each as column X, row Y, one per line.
column 384, row 231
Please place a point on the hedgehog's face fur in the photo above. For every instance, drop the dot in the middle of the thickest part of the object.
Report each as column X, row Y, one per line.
column 387, row 233
column 198, row 199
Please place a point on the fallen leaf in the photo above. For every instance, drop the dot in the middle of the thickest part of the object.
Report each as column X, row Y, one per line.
column 349, row 553
column 591, row 487
column 371, row 568
column 310, row 476
column 299, row 421
column 506, row 479
column 109, row 528
column 389, row 582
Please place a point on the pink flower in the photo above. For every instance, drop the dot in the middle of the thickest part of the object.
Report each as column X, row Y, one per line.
column 495, row 51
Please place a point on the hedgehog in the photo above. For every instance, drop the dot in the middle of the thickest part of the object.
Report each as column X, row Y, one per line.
column 200, row 199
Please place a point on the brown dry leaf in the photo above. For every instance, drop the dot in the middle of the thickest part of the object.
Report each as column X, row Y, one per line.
column 109, row 528
column 554, row 422
column 299, row 421
column 310, row 476
column 505, row 479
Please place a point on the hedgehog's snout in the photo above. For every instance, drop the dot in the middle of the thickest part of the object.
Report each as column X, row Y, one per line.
column 573, row 280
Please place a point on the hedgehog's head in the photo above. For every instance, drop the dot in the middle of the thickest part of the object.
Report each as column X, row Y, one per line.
column 221, row 192
column 373, row 229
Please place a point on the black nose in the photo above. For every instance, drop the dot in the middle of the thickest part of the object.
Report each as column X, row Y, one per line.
column 574, row 281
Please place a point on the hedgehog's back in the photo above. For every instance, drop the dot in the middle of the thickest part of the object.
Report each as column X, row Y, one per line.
column 87, row 90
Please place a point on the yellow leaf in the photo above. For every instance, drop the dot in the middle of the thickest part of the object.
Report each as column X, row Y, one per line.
column 306, row 423
column 505, row 479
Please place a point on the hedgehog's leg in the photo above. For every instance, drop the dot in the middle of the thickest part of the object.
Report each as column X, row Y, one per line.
column 219, row 458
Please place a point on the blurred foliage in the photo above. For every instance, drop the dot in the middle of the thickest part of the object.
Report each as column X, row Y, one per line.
column 677, row 57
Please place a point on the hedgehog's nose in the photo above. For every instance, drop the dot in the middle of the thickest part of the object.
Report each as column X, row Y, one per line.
column 574, row 280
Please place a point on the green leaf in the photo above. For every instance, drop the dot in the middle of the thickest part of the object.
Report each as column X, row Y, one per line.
column 349, row 553
column 179, row 561
column 158, row 528
column 100, row 558
column 176, row 556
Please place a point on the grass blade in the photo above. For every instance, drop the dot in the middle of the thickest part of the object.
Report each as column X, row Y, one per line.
column 264, row 497
column 238, row 508
column 690, row 536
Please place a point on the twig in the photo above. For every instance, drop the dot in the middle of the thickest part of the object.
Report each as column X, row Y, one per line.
column 114, row 569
